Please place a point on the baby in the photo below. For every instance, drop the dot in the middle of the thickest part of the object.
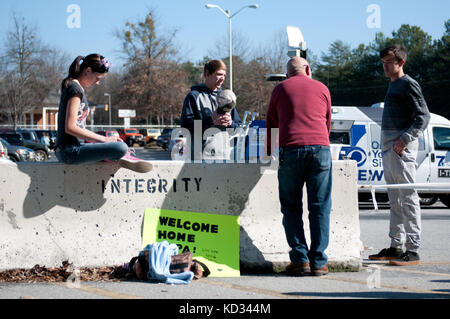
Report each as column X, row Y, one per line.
column 226, row 101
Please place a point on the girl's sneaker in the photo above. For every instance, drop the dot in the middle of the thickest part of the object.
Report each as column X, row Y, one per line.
column 135, row 164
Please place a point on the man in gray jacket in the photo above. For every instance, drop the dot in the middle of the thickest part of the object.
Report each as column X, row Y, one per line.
column 405, row 117
column 201, row 105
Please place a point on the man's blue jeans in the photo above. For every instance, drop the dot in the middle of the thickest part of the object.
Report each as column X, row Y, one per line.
column 92, row 153
column 311, row 165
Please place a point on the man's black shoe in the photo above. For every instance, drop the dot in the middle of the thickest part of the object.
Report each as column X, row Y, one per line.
column 407, row 259
column 387, row 254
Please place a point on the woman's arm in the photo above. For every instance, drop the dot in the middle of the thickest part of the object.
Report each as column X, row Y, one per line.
column 74, row 130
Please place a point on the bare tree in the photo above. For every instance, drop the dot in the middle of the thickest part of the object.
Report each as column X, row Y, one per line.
column 251, row 88
column 143, row 40
column 157, row 94
column 250, row 85
column 154, row 82
column 273, row 54
column 18, row 83
column 241, row 47
column 30, row 71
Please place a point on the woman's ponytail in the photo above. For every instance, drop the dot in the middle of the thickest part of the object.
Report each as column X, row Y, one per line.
column 74, row 72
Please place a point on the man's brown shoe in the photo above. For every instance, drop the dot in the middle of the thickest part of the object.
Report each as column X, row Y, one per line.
column 320, row 272
column 301, row 269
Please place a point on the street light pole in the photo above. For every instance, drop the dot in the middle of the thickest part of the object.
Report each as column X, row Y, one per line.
column 109, row 97
column 230, row 16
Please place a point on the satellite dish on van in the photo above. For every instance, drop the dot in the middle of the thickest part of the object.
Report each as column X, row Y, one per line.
column 297, row 43
column 295, row 38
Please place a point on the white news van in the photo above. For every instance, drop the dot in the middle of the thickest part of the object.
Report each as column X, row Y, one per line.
column 357, row 131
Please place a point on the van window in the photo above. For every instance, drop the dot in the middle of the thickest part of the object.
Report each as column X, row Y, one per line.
column 441, row 136
column 340, row 138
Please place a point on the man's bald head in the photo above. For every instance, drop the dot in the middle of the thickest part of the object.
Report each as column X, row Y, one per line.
column 298, row 66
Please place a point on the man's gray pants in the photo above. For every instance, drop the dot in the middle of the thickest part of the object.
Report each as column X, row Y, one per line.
column 405, row 221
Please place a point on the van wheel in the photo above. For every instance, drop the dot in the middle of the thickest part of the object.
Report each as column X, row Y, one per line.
column 445, row 199
column 428, row 201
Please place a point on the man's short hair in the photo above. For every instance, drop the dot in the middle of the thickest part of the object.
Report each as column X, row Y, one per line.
column 214, row 65
column 297, row 65
column 397, row 50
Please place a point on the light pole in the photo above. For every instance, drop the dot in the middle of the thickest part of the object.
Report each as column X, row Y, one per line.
column 230, row 16
column 109, row 96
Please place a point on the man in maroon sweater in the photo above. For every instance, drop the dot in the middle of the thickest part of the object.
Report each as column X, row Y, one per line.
column 300, row 108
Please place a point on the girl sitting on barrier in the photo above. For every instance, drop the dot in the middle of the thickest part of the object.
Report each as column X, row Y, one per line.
column 73, row 112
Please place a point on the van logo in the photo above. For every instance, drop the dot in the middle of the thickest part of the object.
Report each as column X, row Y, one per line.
column 357, row 154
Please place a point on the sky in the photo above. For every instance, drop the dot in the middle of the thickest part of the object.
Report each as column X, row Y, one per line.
column 321, row 22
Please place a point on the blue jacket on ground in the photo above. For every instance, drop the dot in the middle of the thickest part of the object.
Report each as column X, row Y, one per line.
column 160, row 257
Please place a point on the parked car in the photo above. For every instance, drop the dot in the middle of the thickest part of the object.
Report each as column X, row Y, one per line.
column 150, row 134
column 18, row 153
column 41, row 150
column 163, row 140
column 3, row 152
column 131, row 136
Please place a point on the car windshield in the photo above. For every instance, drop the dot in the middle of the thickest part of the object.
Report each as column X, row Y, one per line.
column 14, row 139
column 113, row 134
column 132, row 131
column 166, row 131
column 4, row 142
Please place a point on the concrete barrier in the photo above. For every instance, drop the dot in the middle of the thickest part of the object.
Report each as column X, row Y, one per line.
column 92, row 215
